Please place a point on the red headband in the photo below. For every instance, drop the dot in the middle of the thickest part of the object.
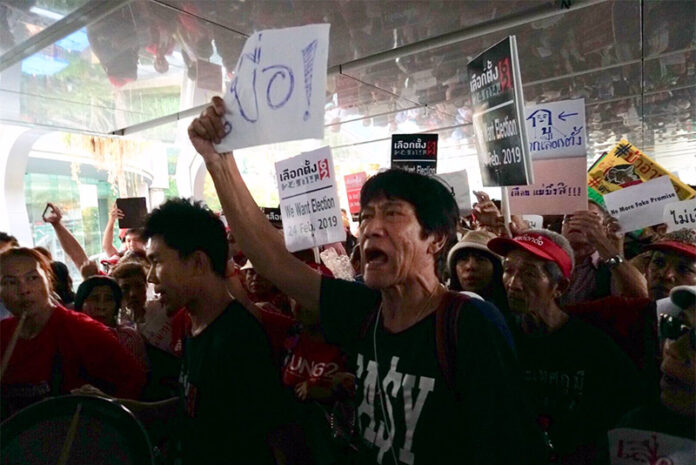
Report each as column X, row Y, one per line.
column 536, row 244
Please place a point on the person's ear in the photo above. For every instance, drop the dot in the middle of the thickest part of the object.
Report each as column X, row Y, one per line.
column 437, row 243
column 200, row 263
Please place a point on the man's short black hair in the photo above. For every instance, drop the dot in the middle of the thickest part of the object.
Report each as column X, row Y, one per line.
column 436, row 209
column 187, row 226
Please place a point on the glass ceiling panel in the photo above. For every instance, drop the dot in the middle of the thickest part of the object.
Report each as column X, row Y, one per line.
column 20, row 20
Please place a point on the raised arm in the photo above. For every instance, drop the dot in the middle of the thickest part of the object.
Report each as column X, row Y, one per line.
column 108, row 241
column 67, row 241
column 626, row 279
column 257, row 238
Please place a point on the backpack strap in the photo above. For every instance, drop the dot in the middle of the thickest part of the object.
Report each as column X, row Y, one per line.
column 446, row 336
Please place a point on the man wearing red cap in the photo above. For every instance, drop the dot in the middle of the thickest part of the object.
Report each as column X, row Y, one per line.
column 672, row 263
column 579, row 381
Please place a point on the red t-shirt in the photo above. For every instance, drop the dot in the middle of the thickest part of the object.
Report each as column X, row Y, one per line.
column 84, row 350
column 307, row 360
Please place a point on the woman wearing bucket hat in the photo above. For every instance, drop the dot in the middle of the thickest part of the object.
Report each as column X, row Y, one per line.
column 475, row 268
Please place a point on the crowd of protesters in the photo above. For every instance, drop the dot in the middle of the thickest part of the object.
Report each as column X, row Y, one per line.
column 460, row 340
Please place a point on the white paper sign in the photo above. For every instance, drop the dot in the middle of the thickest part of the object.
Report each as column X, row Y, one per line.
column 680, row 215
column 278, row 92
column 641, row 205
column 534, row 221
column 629, row 446
column 309, row 200
column 459, row 182
column 556, row 129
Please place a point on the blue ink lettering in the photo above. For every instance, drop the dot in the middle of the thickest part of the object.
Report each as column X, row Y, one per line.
column 282, row 72
column 308, row 54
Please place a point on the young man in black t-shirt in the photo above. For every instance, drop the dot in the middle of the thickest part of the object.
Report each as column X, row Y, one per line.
column 407, row 413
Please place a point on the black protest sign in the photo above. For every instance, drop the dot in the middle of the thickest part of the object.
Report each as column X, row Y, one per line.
column 273, row 215
column 498, row 107
column 415, row 152
column 134, row 212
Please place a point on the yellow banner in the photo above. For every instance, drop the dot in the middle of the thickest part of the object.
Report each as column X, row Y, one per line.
column 626, row 166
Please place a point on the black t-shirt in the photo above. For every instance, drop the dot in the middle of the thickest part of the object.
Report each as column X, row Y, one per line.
column 231, row 392
column 426, row 423
column 579, row 382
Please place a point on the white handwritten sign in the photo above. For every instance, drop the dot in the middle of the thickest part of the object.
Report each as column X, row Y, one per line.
column 556, row 129
column 458, row 181
column 309, row 200
column 629, row 446
column 278, row 91
column 680, row 215
column 641, row 205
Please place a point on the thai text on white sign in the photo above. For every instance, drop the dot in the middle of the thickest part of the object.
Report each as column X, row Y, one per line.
column 680, row 215
column 278, row 92
column 556, row 129
column 309, row 200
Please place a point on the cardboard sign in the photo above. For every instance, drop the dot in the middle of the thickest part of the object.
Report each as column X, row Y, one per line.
column 458, row 182
column 560, row 188
column 416, row 153
column 354, row 183
column 498, row 113
column 309, row 200
column 628, row 446
column 680, row 215
column 626, row 166
column 557, row 129
column 641, row 205
column 273, row 215
column 134, row 210
column 278, row 92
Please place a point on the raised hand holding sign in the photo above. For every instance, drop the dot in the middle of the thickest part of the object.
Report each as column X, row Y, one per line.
column 278, row 91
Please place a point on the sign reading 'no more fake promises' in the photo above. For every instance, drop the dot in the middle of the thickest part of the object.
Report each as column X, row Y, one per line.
column 498, row 103
column 309, row 200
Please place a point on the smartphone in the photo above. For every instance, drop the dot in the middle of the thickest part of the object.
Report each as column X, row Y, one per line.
column 43, row 215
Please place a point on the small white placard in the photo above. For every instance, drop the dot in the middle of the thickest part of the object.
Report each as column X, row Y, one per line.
column 556, row 129
column 309, row 200
column 459, row 182
column 680, row 215
column 534, row 221
column 629, row 446
column 641, row 205
column 279, row 89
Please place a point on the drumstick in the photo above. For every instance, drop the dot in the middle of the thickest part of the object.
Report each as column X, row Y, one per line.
column 11, row 345
column 67, row 445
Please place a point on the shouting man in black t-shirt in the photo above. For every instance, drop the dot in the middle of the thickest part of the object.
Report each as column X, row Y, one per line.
column 409, row 412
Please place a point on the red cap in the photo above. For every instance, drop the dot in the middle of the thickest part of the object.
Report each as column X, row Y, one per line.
column 536, row 244
column 681, row 241
column 674, row 246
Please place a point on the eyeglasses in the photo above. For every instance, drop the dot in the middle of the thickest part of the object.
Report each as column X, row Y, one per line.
column 672, row 327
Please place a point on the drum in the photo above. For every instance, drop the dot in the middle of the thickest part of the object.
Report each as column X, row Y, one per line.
column 74, row 430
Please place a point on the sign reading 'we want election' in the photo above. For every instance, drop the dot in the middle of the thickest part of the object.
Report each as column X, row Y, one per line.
column 309, row 200
column 279, row 88
column 498, row 104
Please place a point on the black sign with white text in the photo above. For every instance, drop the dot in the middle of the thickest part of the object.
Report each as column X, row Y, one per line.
column 498, row 104
column 415, row 152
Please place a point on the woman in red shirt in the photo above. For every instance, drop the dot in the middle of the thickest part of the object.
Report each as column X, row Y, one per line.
column 57, row 350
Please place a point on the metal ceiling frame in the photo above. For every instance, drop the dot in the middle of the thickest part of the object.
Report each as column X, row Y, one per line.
column 541, row 12
column 90, row 12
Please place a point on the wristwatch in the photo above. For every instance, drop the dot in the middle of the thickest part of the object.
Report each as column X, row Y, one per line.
column 614, row 261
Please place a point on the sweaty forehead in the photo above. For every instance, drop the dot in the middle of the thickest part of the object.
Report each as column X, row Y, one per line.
column 524, row 258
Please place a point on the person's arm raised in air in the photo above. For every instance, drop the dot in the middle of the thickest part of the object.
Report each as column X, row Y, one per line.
column 108, row 241
column 258, row 240
column 67, row 241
